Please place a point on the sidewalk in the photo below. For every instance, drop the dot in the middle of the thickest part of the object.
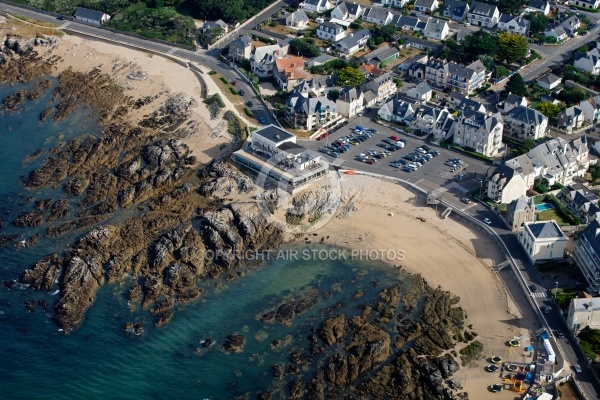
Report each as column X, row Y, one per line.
column 212, row 88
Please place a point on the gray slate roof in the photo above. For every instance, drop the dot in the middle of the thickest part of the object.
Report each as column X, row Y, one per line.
column 527, row 115
column 538, row 4
column 86, row 13
column 545, row 230
column 456, row 8
column 522, row 204
column 424, row 3
column 273, row 133
column 484, row 9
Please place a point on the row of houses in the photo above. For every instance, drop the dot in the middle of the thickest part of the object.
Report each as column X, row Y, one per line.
column 309, row 108
column 556, row 160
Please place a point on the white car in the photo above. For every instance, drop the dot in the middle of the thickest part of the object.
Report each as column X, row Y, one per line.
column 577, row 368
column 467, row 23
column 487, row 221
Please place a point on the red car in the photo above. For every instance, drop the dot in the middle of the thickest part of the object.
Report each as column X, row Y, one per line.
column 234, row 83
column 394, row 137
column 371, row 162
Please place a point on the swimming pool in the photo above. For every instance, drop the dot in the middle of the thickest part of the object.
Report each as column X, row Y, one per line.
column 543, row 207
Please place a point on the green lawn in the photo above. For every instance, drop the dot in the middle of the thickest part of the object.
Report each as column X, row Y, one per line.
column 548, row 215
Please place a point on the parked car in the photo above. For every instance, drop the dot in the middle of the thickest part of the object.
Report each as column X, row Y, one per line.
column 394, row 137
column 466, row 200
column 262, row 120
column 487, row 221
column 577, row 368
column 533, row 288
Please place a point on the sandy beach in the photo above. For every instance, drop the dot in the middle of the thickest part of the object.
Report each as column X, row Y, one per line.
column 446, row 253
column 144, row 74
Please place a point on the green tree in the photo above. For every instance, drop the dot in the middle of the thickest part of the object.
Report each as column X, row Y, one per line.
column 516, row 85
column 541, row 185
column 547, row 108
column 572, row 95
column 527, row 145
column 478, row 43
column 302, row 47
column 333, row 94
column 500, row 72
column 487, row 61
column 350, row 76
column 388, row 32
column 511, row 47
column 537, row 23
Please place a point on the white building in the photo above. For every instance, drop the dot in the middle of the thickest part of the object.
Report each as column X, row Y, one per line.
column 262, row 60
column 549, row 81
column 593, row 4
column 347, row 12
column 588, row 61
column 274, row 151
column 584, row 311
column 556, row 32
column 91, row 17
column 353, row 42
column 483, row 14
column 543, row 241
column 426, row 5
column 317, row 6
column 512, row 24
column 525, row 123
column 378, row 16
column 421, row 92
column 480, row 132
column 436, row 29
column 350, row 102
column 504, row 185
column 298, row 20
column 542, row 6
column 331, row 32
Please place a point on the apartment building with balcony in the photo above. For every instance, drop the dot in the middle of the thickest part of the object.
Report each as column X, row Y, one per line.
column 460, row 78
column 504, row 184
column 587, row 255
column 480, row 132
column 522, row 123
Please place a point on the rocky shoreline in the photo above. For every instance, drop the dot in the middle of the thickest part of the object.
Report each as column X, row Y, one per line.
column 142, row 214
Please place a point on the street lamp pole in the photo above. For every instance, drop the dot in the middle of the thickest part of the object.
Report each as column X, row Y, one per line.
column 555, row 291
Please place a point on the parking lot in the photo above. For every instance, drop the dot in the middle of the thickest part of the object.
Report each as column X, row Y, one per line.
column 435, row 172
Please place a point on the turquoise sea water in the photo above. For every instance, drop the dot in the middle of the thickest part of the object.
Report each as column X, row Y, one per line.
column 99, row 360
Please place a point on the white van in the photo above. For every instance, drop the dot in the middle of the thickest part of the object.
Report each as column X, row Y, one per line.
column 400, row 144
column 319, row 20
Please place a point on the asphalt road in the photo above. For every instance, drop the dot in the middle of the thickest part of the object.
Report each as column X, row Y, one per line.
column 433, row 173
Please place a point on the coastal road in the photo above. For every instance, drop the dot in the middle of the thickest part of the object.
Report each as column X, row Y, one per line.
column 436, row 178
column 555, row 54
column 541, row 297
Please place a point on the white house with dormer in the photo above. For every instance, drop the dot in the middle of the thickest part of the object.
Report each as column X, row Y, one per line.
column 588, row 61
column 512, row 24
column 318, row 6
column 436, row 29
column 483, row 14
column 331, row 32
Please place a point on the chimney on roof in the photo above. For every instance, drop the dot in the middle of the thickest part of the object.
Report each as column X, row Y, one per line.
column 277, row 136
